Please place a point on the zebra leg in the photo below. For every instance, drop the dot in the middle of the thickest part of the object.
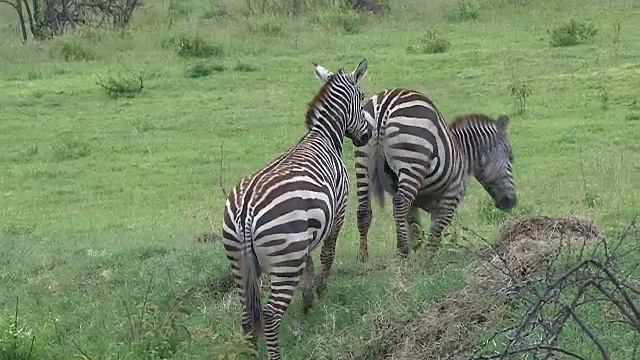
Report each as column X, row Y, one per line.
column 283, row 283
column 233, row 246
column 415, row 227
column 306, row 284
column 328, row 252
column 441, row 217
column 364, row 213
column 402, row 204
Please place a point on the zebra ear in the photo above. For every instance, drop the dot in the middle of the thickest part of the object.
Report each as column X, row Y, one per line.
column 502, row 123
column 359, row 73
column 322, row 73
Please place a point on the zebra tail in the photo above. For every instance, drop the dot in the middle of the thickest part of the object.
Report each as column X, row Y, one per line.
column 376, row 172
column 248, row 267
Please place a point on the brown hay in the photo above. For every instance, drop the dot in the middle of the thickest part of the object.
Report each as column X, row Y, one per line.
column 448, row 328
column 442, row 331
column 526, row 244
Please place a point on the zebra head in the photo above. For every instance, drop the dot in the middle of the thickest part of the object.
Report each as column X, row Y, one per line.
column 493, row 168
column 346, row 97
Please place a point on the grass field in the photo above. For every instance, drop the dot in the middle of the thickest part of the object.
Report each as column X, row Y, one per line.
column 100, row 197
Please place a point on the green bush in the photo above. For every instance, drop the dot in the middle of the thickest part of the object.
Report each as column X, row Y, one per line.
column 432, row 42
column 198, row 70
column 75, row 51
column 193, row 46
column 572, row 33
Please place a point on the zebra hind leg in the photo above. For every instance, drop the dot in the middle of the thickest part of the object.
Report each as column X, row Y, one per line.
column 282, row 288
column 416, row 236
column 328, row 253
column 440, row 218
column 364, row 215
column 402, row 204
column 306, row 284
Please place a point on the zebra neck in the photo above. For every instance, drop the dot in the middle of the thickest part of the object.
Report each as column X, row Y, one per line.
column 332, row 139
column 470, row 145
column 328, row 128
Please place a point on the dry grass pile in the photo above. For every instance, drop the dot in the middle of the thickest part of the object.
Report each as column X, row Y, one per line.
column 449, row 328
column 526, row 245
column 442, row 331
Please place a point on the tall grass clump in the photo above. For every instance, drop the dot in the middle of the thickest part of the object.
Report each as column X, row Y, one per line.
column 572, row 33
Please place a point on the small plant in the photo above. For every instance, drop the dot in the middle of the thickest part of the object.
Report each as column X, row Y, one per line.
column 520, row 91
column 466, row 11
column 70, row 147
column 16, row 341
column 156, row 333
column 603, row 95
column 633, row 116
column 196, row 46
column 349, row 20
column 244, row 67
column 124, row 86
column 268, row 27
column 75, row 51
column 617, row 27
column 432, row 42
column 198, row 70
column 572, row 33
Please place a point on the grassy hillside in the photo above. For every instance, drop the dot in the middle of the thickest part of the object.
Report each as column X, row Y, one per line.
column 100, row 197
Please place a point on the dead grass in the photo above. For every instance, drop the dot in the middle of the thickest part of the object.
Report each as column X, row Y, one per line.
column 448, row 329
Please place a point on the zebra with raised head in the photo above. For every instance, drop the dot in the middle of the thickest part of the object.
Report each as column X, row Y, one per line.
column 423, row 162
column 275, row 217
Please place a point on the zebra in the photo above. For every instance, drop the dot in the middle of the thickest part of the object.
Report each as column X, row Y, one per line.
column 275, row 217
column 423, row 162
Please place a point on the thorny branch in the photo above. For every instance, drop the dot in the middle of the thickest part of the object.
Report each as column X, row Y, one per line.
column 557, row 295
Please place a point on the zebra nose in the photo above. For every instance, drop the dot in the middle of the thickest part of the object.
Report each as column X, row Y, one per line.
column 506, row 202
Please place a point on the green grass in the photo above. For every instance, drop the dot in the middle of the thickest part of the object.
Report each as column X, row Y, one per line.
column 101, row 196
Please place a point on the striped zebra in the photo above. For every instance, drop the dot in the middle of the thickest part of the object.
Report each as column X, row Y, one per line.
column 275, row 218
column 423, row 162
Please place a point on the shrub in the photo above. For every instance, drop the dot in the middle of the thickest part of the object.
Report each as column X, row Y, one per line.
column 350, row 21
column 266, row 27
column 124, row 86
column 432, row 42
column 466, row 11
column 572, row 33
column 244, row 67
column 195, row 46
column 198, row 70
column 75, row 51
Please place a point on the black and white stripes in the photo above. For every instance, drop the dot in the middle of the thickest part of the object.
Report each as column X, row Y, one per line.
column 415, row 156
column 275, row 218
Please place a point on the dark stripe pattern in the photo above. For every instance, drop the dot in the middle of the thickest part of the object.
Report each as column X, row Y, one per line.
column 423, row 162
column 275, row 218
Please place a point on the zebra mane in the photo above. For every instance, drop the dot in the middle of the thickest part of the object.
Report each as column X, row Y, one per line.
column 465, row 120
column 320, row 97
